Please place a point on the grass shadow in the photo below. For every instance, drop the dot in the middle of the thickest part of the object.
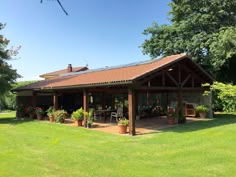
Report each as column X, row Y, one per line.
column 14, row 121
column 219, row 120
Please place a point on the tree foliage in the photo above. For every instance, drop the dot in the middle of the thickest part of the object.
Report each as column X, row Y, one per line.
column 226, row 94
column 7, row 74
column 203, row 29
column 8, row 100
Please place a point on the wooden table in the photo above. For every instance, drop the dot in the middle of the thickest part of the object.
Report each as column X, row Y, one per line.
column 104, row 113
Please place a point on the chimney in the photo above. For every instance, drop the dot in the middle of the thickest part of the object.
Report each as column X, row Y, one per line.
column 69, row 68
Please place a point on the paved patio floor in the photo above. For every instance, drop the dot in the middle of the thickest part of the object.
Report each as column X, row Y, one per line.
column 143, row 126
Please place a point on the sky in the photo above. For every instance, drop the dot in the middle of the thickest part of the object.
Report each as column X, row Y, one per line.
column 99, row 33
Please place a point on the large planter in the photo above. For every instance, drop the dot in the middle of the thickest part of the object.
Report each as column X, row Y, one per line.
column 78, row 123
column 122, row 128
column 202, row 115
column 51, row 118
column 39, row 116
column 171, row 120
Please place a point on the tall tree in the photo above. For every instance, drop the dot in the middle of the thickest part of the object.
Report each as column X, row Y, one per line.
column 7, row 74
column 205, row 30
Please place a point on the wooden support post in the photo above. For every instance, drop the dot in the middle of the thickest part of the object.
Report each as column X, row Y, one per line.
column 148, row 95
column 85, row 105
column 179, row 99
column 55, row 101
column 131, row 103
column 179, row 74
column 17, row 105
column 163, row 79
column 193, row 82
column 34, row 100
column 180, row 108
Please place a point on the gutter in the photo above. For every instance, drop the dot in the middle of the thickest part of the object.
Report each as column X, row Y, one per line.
column 79, row 86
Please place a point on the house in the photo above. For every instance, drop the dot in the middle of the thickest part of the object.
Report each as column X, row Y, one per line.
column 159, row 83
column 69, row 69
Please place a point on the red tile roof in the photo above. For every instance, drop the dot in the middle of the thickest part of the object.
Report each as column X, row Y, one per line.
column 63, row 71
column 109, row 76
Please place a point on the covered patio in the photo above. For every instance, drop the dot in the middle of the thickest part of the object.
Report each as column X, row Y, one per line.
column 144, row 91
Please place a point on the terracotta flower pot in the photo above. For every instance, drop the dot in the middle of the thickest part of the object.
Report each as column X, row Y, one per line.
column 78, row 123
column 171, row 120
column 39, row 117
column 51, row 118
column 202, row 115
column 122, row 128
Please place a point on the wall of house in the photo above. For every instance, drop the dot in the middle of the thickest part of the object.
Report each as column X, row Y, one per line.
column 44, row 101
column 24, row 100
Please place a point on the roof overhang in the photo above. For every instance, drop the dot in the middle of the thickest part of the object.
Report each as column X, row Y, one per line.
column 118, row 83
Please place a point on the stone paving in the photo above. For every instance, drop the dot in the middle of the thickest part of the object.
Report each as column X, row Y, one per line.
column 143, row 126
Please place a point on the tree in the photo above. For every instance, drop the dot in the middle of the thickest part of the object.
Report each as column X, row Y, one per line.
column 8, row 75
column 205, row 30
column 8, row 99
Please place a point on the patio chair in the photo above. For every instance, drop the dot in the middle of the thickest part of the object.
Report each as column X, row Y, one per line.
column 118, row 114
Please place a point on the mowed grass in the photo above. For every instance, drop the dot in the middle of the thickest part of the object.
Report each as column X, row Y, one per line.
column 39, row 148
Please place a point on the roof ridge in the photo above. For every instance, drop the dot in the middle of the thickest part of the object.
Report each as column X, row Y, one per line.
column 120, row 66
column 113, row 67
column 61, row 70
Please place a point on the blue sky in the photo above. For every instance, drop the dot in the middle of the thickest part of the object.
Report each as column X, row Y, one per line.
column 97, row 32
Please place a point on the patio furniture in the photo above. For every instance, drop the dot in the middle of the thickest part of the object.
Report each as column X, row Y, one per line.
column 116, row 115
column 103, row 113
column 190, row 109
column 95, row 114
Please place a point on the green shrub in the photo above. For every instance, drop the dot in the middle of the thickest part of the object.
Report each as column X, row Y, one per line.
column 201, row 108
column 60, row 116
column 226, row 93
column 78, row 114
column 123, row 121
column 50, row 111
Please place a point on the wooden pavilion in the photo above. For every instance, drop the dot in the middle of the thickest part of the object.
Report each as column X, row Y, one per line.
column 171, row 80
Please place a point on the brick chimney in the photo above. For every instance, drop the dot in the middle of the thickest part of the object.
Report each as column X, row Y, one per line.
column 69, row 68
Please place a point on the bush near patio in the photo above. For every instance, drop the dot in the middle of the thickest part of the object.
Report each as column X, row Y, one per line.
column 204, row 148
column 60, row 115
column 77, row 116
column 225, row 93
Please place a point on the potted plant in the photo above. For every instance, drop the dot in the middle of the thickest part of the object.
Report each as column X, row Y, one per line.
column 171, row 116
column 30, row 110
column 123, row 124
column 202, row 110
column 77, row 116
column 50, row 114
column 89, row 119
column 60, row 115
column 39, row 112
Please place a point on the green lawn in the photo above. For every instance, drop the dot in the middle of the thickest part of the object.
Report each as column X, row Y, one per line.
column 33, row 148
